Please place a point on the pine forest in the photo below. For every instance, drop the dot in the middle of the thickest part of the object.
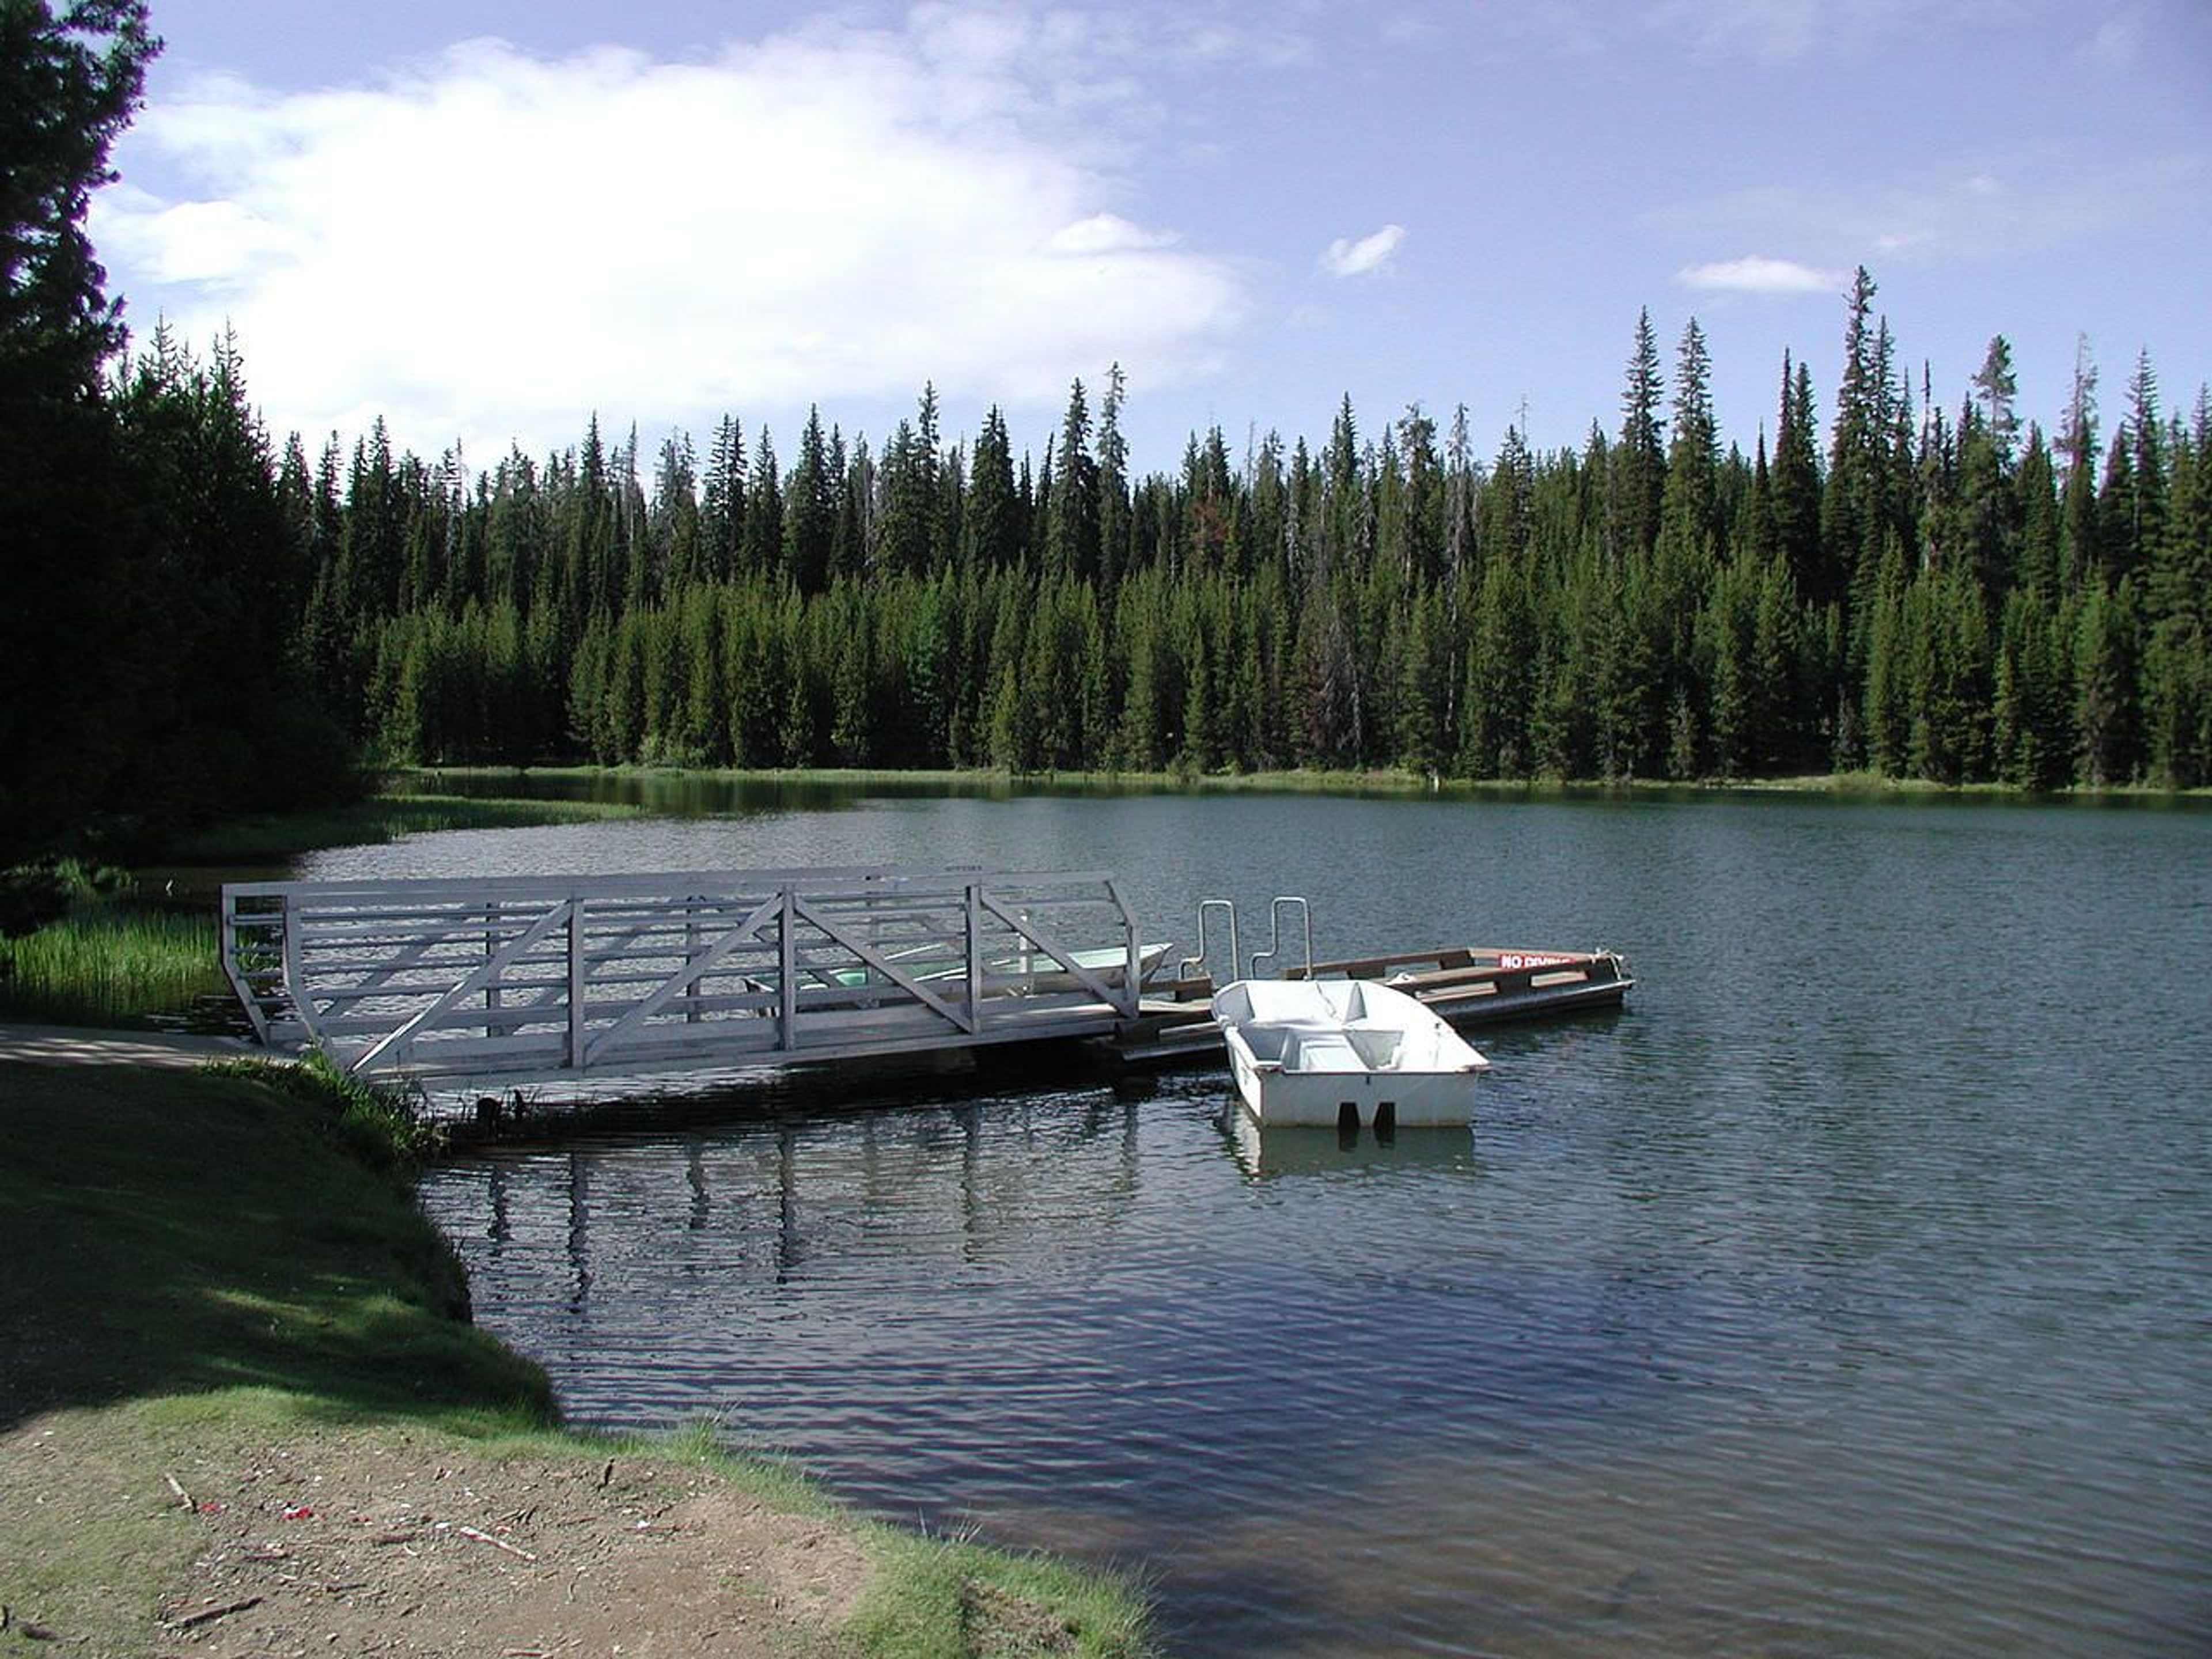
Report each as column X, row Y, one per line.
column 1946, row 594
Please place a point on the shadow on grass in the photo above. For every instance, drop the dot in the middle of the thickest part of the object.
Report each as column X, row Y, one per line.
column 170, row 1234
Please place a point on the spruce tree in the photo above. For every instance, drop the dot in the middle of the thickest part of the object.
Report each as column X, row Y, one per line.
column 1070, row 548
column 2079, row 542
column 1639, row 466
column 760, row 547
column 723, row 511
column 810, row 515
column 1794, row 499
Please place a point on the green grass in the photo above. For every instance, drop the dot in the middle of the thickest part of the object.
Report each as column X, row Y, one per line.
column 109, row 962
column 197, row 1261
column 182, row 1234
column 935, row 1598
column 380, row 817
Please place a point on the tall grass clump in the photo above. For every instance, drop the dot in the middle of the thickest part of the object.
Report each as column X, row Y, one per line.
column 107, row 960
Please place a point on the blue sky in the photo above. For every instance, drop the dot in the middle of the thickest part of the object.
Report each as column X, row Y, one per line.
column 487, row 220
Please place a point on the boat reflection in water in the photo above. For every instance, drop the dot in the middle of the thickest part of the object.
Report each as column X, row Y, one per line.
column 1299, row 1148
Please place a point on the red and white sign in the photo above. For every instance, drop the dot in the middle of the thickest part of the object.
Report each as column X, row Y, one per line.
column 1538, row 959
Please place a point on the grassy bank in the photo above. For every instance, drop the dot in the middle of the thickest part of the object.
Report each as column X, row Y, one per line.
column 109, row 962
column 208, row 1273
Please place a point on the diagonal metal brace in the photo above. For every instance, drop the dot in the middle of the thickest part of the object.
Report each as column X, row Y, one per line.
column 882, row 965
column 404, row 1036
column 694, row 969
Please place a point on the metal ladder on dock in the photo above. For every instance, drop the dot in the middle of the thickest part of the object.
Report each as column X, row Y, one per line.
column 1192, row 966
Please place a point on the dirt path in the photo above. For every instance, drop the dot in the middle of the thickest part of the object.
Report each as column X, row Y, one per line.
column 83, row 1046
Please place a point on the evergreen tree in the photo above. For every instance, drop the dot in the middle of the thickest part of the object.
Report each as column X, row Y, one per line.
column 2106, row 652
column 1849, row 515
column 760, row 544
column 2032, row 735
column 722, row 517
column 809, row 513
column 1989, row 503
column 1071, row 547
column 2080, row 541
column 2041, row 542
column 2131, row 509
column 1115, row 523
column 1794, row 494
column 676, row 535
column 1639, row 464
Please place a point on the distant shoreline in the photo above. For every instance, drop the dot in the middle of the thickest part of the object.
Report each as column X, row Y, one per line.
column 1849, row 785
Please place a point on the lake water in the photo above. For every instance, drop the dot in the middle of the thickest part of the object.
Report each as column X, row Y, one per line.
column 1847, row 1294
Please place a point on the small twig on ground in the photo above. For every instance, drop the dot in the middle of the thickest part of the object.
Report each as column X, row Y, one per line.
column 496, row 1543
column 209, row 1615
column 396, row 1537
column 607, row 1475
column 184, row 1497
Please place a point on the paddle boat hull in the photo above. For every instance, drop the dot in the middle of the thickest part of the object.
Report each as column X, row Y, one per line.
column 1343, row 1053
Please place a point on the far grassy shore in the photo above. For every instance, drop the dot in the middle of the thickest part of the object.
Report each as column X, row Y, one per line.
column 215, row 1272
column 385, row 816
column 1368, row 781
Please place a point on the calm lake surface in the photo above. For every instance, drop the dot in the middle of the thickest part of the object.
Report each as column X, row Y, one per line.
column 1847, row 1294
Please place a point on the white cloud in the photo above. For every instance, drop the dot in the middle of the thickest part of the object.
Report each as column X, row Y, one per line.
column 1344, row 258
column 1973, row 216
column 1105, row 233
column 1774, row 32
column 494, row 246
column 2118, row 42
column 1756, row 274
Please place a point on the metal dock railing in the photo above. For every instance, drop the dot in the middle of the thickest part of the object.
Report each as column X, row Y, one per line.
column 528, row 977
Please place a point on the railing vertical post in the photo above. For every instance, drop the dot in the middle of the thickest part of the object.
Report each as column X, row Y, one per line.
column 491, row 950
column 975, row 956
column 575, row 983
column 294, row 969
column 787, row 973
column 1132, row 994
column 690, row 956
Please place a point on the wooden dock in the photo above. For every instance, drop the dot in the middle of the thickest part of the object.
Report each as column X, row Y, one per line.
column 1471, row 986
column 526, row 980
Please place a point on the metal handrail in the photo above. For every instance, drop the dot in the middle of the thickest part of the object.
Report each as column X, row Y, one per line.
column 1274, row 950
column 1191, row 965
